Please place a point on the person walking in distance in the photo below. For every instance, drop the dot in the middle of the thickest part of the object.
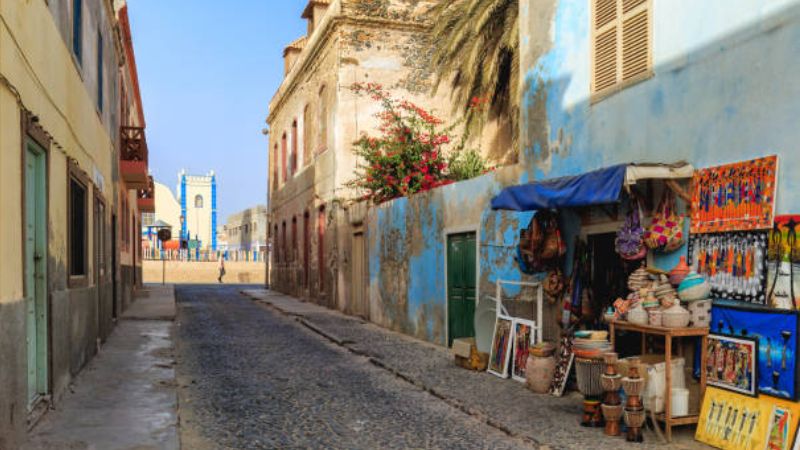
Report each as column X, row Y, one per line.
column 221, row 268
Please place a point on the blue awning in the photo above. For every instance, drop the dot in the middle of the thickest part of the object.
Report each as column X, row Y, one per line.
column 592, row 188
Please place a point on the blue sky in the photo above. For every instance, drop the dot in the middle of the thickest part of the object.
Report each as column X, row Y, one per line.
column 207, row 70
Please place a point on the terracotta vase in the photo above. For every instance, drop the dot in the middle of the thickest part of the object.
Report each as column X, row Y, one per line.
column 539, row 373
column 679, row 272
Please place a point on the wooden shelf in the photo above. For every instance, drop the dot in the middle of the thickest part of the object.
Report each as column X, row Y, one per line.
column 668, row 334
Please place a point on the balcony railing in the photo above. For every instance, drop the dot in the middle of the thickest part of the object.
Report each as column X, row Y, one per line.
column 147, row 197
column 133, row 157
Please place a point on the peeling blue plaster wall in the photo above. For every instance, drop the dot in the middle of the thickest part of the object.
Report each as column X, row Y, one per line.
column 724, row 89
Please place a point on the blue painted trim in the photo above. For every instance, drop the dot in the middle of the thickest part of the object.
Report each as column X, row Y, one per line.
column 183, row 206
column 214, row 213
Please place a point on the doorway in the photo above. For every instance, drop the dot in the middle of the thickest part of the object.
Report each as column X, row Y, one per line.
column 461, row 266
column 360, row 301
column 36, row 271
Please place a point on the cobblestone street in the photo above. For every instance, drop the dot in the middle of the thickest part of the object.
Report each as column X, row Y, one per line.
column 252, row 378
column 276, row 372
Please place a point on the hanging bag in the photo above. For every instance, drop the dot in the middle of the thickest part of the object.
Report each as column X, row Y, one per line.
column 629, row 243
column 665, row 232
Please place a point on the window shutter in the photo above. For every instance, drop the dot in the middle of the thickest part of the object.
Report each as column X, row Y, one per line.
column 635, row 39
column 604, row 70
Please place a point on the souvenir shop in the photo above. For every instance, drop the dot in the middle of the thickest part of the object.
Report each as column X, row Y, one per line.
column 667, row 296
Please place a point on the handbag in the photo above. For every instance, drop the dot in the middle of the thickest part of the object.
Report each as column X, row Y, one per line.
column 629, row 243
column 665, row 232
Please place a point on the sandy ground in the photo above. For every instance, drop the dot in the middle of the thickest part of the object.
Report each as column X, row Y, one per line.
column 178, row 272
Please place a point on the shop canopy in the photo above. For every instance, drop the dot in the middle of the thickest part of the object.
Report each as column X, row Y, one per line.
column 599, row 187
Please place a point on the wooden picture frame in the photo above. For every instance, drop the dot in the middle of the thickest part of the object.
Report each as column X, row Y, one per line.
column 500, row 352
column 732, row 361
column 521, row 331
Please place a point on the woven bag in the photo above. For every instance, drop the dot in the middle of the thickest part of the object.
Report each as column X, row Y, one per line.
column 665, row 232
column 629, row 243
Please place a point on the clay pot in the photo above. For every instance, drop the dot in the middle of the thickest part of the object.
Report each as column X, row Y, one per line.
column 539, row 373
column 679, row 272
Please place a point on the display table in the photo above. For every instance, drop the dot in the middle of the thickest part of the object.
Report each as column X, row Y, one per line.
column 669, row 334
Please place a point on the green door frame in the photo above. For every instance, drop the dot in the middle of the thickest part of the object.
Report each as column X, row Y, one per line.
column 35, row 238
column 458, row 272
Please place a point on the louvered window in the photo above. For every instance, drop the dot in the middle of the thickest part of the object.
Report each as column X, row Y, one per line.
column 621, row 44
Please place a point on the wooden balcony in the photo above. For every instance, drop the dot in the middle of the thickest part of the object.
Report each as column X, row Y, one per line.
column 146, row 199
column 133, row 157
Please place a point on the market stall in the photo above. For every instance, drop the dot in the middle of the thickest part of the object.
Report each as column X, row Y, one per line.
column 695, row 258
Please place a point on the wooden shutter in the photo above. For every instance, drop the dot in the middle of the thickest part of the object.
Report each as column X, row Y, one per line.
column 635, row 39
column 620, row 42
column 604, row 54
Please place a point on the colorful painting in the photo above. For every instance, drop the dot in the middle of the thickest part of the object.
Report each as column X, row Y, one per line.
column 777, row 335
column 501, row 347
column 783, row 279
column 564, row 365
column 732, row 421
column 731, row 363
column 522, row 337
column 778, row 429
column 735, row 264
column 734, row 197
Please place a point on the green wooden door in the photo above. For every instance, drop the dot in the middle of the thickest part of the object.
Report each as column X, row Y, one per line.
column 461, row 281
column 35, row 275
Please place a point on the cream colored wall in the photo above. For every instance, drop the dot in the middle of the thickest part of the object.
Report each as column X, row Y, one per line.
column 198, row 220
column 167, row 208
column 38, row 64
column 10, row 198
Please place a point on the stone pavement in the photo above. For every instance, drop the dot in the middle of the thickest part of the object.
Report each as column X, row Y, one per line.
column 506, row 405
column 251, row 377
column 125, row 398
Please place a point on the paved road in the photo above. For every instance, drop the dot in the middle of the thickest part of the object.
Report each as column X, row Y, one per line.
column 250, row 377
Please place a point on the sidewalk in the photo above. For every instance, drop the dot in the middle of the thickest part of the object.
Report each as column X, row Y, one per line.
column 125, row 398
column 545, row 420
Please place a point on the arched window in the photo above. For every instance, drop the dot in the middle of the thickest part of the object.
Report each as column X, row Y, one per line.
column 295, row 150
column 322, row 135
column 307, row 135
column 198, row 201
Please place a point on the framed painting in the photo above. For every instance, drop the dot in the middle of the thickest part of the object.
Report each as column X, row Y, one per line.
column 735, row 264
column 777, row 334
column 563, row 366
column 783, row 280
column 731, row 363
column 735, row 197
column 501, row 347
column 522, row 337
column 780, row 422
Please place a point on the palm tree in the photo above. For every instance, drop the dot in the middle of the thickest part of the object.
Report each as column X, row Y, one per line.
column 477, row 51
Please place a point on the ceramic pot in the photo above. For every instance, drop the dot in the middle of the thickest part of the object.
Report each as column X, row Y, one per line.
column 694, row 287
column 539, row 373
column 679, row 272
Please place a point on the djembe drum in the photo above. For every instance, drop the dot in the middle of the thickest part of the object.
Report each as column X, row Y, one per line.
column 612, row 406
column 633, row 385
column 589, row 373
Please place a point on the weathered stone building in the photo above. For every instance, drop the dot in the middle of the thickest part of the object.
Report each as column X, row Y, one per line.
column 319, row 244
column 71, row 177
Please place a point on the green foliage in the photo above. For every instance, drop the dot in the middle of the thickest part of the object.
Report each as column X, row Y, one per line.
column 477, row 49
column 410, row 154
column 466, row 164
